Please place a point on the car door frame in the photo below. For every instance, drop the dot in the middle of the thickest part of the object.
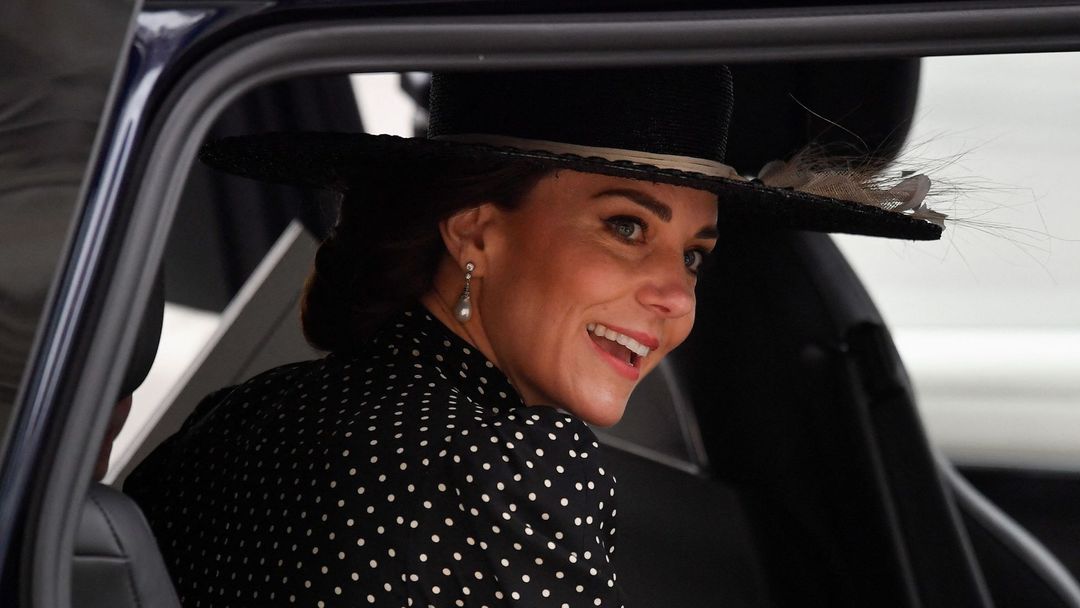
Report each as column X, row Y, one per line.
column 181, row 75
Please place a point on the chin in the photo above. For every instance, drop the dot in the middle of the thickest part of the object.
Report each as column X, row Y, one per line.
column 601, row 412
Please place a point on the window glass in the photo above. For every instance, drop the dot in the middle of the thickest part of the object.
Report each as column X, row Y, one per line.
column 988, row 319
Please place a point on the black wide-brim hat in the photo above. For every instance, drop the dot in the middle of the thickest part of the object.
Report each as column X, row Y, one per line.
column 665, row 125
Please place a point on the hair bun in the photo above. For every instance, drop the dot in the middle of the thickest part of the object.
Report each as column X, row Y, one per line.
column 384, row 250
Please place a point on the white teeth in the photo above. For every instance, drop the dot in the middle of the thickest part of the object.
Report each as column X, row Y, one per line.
column 633, row 345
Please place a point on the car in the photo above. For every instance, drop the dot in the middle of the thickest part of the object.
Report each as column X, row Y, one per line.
column 777, row 459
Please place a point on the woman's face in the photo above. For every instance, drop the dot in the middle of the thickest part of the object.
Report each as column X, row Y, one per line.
column 587, row 285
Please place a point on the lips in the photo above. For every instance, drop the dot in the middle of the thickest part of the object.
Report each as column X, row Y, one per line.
column 616, row 350
column 622, row 351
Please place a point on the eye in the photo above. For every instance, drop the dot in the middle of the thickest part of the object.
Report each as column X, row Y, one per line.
column 693, row 259
column 627, row 228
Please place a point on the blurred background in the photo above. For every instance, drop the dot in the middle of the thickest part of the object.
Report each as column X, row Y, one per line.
column 988, row 319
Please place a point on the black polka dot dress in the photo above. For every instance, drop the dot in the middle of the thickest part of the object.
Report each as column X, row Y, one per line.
column 410, row 474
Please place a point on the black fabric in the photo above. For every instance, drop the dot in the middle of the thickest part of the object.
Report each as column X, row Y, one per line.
column 116, row 562
column 850, row 107
column 409, row 473
column 684, row 111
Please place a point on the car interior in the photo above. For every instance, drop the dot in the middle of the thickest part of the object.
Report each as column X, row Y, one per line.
column 776, row 459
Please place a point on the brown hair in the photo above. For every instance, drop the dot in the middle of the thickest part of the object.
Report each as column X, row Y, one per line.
column 383, row 252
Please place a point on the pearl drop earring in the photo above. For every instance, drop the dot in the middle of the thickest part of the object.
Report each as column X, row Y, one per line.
column 463, row 308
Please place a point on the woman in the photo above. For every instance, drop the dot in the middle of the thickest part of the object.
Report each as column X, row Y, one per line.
column 486, row 293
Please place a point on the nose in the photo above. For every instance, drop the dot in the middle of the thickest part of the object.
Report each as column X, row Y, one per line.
column 667, row 288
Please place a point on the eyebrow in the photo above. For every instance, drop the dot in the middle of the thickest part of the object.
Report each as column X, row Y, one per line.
column 659, row 209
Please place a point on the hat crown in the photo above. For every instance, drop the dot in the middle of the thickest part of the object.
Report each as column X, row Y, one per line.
column 683, row 111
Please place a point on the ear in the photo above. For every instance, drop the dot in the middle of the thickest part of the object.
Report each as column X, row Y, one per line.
column 466, row 234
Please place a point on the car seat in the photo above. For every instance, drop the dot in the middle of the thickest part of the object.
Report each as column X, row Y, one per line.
column 116, row 562
column 792, row 399
column 814, row 457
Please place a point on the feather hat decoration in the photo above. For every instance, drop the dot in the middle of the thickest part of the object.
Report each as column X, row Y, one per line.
column 859, row 183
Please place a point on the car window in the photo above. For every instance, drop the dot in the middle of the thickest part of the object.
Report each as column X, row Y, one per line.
column 988, row 319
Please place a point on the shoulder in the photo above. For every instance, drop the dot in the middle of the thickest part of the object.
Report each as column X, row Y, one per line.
column 260, row 391
column 542, row 431
column 215, row 416
column 532, row 454
column 530, row 490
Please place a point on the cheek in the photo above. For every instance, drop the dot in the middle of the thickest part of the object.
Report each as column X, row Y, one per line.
column 592, row 277
column 562, row 278
column 538, row 306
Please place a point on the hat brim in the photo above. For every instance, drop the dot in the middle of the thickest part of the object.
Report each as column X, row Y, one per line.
column 331, row 161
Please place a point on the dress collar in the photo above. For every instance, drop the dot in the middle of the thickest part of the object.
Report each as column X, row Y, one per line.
column 418, row 335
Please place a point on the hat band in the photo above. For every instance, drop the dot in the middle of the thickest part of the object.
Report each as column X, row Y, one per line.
column 690, row 164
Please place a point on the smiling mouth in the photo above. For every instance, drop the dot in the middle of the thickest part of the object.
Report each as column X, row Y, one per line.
column 620, row 346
